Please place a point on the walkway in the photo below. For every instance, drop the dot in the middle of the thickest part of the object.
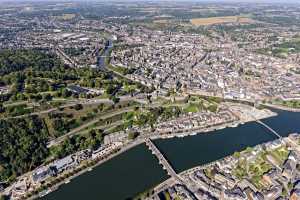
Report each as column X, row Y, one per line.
column 266, row 126
column 280, row 107
column 269, row 128
column 107, row 115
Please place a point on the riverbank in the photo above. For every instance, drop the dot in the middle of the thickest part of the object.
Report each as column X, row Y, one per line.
column 244, row 114
column 268, row 175
column 183, row 153
column 113, row 179
column 85, row 170
column 141, row 139
column 280, row 107
column 240, row 114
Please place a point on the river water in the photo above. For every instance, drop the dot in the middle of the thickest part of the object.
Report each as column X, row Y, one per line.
column 101, row 58
column 137, row 169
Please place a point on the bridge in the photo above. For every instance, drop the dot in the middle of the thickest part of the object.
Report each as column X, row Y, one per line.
column 269, row 128
column 287, row 139
column 266, row 126
column 162, row 160
column 167, row 166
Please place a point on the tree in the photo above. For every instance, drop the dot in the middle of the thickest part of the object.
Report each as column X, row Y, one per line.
column 109, row 89
column 66, row 93
column 101, row 107
column 2, row 197
column 213, row 108
column 28, row 137
column 95, row 110
column 78, row 107
column 47, row 97
column 2, row 108
column 132, row 135
column 237, row 154
column 92, row 133
column 21, row 59
column 115, row 99
column 82, row 95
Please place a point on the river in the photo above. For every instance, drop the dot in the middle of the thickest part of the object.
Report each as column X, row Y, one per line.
column 137, row 169
column 101, row 58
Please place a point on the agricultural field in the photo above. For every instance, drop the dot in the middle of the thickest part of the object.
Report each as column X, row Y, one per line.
column 220, row 20
column 161, row 21
column 66, row 17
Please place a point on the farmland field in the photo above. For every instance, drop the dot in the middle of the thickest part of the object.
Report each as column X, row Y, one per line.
column 220, row 20
column 66, row 17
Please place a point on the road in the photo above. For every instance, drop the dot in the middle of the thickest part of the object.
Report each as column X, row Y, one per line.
column 79, row 129
column 58, row 140
column 75, row 102
column 122, row 150
column 167, row 166
column 282, row 107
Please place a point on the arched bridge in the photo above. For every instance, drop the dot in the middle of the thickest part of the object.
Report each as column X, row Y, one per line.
column 162, row 160
column 269, row 128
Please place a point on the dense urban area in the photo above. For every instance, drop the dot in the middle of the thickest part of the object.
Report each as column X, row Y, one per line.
column 83, row 82
column 267, row 171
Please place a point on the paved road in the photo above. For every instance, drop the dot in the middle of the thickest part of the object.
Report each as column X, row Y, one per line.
column 282, row 107
column 74, row 102
column 15, row 103
column 58, row 140
column 162, row 160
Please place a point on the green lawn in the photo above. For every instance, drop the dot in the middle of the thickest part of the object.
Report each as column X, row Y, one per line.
column 191, row 108
column 291, row 104
column 254, row 170
column 280, row 154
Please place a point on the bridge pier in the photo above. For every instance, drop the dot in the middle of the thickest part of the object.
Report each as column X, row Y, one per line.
column 161, row 159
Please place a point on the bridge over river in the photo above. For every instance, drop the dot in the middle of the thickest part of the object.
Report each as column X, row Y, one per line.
column 175, row 178
column 171, row 172
column 162, row 160
column 168, row 167
column 269, row 128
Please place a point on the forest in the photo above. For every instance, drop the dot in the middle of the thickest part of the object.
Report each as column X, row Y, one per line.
column 18, row 60
column 23, row 144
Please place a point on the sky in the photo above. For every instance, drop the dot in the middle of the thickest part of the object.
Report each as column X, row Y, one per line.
column 180, row 0
column 253, row 1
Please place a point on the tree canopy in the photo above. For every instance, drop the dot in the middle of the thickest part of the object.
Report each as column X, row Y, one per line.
column 23, row 144
column 18, row 60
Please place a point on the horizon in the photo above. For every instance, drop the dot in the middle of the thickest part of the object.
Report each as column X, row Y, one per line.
column 191, row 1
column 149, row 99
